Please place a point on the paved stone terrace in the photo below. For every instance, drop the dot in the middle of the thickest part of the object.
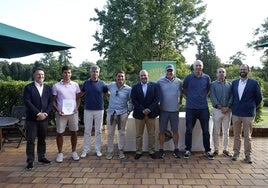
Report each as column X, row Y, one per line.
column 196, row 172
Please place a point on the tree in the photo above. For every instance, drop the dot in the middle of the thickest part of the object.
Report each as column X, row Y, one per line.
column 84, row 70
column 5, row 70
column 207, row 54
column 64, row 58
column 138, row 30
column 238, row 58
column 261, row 36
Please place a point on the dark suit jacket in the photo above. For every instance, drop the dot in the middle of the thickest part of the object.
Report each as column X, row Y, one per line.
column 151, row 100
column 251, row 98
column 34, row 103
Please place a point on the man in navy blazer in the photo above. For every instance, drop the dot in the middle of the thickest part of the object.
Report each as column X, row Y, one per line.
column 246, row 98
column 145, row 98
column 38, row 102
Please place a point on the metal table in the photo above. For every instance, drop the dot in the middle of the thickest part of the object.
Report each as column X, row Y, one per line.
column 4, row 122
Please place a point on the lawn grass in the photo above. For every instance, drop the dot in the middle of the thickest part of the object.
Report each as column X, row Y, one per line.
column 264, row 117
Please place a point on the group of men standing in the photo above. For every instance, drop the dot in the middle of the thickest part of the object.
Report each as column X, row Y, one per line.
column 148, row 100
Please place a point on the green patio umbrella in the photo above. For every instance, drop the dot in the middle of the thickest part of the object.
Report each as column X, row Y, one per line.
column 263, row 45
column 15, row 42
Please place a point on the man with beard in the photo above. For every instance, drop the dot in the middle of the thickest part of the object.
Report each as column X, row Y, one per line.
column 247, row 97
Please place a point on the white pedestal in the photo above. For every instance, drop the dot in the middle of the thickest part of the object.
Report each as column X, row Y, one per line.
column 197, row 138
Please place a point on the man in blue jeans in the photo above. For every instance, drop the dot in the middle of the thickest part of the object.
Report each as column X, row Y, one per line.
column 196, row 87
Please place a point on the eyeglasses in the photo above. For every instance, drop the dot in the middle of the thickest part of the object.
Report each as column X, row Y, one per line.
column 169, row 70
column 116, row 93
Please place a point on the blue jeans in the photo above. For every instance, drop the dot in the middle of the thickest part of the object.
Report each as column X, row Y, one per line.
column 191, row 116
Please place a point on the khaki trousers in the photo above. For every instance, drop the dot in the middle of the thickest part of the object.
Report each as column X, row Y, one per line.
column 140, row 125
column 246, row 123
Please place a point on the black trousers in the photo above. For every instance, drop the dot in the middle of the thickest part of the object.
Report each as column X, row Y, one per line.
column 33, row 130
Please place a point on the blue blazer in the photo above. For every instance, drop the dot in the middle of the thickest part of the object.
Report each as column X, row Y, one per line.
column 34, row 103
column 251, row 98
column 151, row 100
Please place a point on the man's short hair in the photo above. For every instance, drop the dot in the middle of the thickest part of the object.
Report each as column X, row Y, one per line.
column 65, row 68
column 120, row 72
column 94, row 67
column 38, row 69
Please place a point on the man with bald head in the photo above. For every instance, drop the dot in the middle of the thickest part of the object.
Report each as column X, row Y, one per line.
column 221, row 99
column 196, row 88
column 145, row 98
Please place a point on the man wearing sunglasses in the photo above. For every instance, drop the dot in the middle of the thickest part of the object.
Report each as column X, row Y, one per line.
column 221, row 98
column 117, row 114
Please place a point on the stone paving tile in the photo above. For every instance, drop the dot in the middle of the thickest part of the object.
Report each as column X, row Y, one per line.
column 196, row 172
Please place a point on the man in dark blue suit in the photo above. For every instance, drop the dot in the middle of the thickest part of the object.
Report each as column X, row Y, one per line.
column 38, row 102
column 247, row 97
column 145, row 98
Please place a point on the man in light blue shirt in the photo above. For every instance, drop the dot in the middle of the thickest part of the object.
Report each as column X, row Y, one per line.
column 117, row 114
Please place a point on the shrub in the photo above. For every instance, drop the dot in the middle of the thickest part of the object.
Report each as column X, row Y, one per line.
column 265, row 102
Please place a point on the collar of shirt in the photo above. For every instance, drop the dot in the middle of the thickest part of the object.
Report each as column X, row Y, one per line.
column 243, row 81
column 171, row 79
column 220, row 82
column 65, row 83
column 39, row 88
column 93, row 80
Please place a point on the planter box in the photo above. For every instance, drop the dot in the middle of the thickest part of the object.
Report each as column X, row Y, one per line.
column 52, row 131
column 257, row 132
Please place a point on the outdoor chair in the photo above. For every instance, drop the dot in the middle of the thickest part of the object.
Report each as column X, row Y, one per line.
column 16, row 129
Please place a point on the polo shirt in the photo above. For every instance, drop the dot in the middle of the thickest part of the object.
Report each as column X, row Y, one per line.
column 170, row 92
column 65, row 91
column 94, row 91
column 197, row 89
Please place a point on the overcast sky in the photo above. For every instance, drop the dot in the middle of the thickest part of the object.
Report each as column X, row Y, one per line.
column 67, row 21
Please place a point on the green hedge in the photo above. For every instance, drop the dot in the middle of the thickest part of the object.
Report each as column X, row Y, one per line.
column 11, row 94
column 265, row 102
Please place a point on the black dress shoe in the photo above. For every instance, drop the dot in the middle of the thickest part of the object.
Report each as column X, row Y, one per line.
column 137, row 156
column 29, row 166
column 44, row 160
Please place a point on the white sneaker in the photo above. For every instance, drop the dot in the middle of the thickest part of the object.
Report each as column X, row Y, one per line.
column 59, row 158
column 75, row 156
column 99, row 154
column 84, row 154
column 121, row 154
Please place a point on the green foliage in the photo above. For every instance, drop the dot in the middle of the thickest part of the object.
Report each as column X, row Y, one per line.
column 238, row 58
column 261, row 36
column 265, row 102
column 135, row 31
column 207, row 53
column 11, row 94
